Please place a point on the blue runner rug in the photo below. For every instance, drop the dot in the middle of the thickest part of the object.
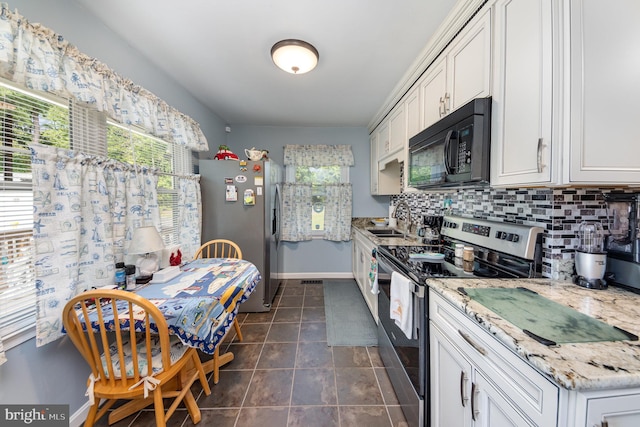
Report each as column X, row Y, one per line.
column 349, row 321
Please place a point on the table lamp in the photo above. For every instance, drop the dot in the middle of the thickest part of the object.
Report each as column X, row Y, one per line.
column 146, row 241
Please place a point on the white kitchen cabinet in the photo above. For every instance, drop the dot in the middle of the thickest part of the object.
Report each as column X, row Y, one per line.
column 565, row 93
column 604, row 66
column 385, row 168
column 608, row 408
column 521, row 129
column 361, row 266
column 397, row 129
column 383, row 136
column 433, row 91
column 462, row 73
column 475, row 381
column 373, row 144
column 449, row 381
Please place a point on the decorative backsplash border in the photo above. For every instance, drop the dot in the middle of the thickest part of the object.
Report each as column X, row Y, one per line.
column 558, row 210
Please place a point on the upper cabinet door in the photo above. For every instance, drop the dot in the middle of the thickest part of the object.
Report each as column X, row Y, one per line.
column 469, row 64
column 605, row 89
column 521, row 128
column 433, row 89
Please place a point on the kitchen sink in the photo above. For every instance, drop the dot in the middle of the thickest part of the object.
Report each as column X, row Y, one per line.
column 385, row 233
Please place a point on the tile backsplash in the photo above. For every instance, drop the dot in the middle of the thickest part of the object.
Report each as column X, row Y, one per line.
column 559, row 211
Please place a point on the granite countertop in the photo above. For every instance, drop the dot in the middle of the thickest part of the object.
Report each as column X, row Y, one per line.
column 582, row 366
column 363, row 224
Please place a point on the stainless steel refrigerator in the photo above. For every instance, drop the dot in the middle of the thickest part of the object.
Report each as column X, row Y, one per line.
column 240, row 202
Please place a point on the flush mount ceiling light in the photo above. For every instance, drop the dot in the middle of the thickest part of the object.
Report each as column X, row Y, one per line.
column 294, row 56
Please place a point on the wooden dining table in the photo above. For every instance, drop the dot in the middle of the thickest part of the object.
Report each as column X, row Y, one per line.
column 201, row 302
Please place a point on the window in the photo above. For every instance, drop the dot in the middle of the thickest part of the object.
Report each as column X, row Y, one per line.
column 24, row 118
column 317, row 196
column 27, row 118
column 318, row 177
column 134, row 147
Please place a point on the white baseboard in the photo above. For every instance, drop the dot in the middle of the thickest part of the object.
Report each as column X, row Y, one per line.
column 77, row 418
column 292, row 276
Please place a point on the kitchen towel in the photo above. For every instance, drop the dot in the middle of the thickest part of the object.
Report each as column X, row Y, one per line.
column 402, row 303
column 373, row 274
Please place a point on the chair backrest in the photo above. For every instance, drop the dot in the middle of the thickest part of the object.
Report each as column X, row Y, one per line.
column 219, row 248
column 91, row 308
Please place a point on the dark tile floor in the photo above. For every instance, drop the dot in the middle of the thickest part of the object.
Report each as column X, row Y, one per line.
column 284, row 374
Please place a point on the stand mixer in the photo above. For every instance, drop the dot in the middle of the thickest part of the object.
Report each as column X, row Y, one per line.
column 590, row 257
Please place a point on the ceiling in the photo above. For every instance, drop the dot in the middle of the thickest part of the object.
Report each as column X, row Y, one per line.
column 220, row 52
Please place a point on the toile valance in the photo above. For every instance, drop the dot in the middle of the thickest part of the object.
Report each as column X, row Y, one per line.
column 39, row 59
column 318, row 155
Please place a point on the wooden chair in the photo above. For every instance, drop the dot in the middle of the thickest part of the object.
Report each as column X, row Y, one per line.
column 220, row 248
column 119, row 370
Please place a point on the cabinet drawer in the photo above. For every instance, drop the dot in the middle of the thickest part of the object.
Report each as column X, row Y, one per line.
column 520, row 383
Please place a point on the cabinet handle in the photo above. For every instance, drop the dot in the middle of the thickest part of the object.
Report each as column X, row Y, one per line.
column 474, row 395
column 539, row 152
column 604, row 423
column 463, row 398
column 440, row 113
column 468, row 339
column 447, row 103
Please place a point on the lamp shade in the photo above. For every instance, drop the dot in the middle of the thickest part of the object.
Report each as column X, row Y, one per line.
column 294, row 56
column 145, row 240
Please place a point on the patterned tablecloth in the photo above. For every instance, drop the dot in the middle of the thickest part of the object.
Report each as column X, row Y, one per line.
column 201, row 303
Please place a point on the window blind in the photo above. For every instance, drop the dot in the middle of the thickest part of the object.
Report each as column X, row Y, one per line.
column 25, row 118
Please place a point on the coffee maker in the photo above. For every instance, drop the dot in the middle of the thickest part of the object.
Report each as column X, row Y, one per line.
column 590, row 257
column 622, row 242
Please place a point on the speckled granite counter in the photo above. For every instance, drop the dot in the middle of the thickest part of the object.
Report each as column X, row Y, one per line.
column 363, row 224
column 585, row 366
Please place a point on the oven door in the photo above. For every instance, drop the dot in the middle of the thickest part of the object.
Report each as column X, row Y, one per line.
column 405, row 359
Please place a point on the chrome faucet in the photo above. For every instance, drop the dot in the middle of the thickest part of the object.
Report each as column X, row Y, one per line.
column 407, row 223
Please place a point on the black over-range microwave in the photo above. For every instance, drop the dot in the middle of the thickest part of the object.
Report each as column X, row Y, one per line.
column 455, row 150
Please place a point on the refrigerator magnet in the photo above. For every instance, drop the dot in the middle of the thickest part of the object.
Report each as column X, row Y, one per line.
column 231, row 195
column 241, row 178
column 249, row 197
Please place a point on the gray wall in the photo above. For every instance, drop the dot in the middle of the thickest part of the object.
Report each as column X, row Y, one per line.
column 317, row 256
column 55, row 373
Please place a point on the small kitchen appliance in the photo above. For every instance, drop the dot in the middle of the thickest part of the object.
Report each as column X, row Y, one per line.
column 623, row 240
column 590, row 257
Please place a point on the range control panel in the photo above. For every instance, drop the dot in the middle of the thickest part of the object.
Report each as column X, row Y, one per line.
column 516, row 239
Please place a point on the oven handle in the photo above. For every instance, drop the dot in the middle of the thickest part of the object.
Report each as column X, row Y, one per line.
column 387, row 265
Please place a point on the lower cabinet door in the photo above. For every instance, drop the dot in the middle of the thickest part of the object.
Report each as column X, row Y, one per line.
column 450, row 383
column 615, row 411
column 490, row 408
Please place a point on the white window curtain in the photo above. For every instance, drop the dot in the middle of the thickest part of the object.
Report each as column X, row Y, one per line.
column 85, row 211
column 190, row 215
column 337, row 212
column 39, row 59
column 297, row 197
column 296, row 212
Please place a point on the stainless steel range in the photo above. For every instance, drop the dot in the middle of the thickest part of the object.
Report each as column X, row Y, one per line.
column 467, row 248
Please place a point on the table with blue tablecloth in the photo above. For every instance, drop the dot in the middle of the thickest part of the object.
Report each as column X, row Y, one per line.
column 201, row 303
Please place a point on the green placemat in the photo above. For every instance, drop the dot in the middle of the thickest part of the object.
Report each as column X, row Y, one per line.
column 543, row 318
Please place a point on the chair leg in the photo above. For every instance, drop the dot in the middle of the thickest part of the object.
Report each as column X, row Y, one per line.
column 91, row 416
column 236, row 325
column 192, row 407
column 158, row 407
column 201, row 375
column 216, row 365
